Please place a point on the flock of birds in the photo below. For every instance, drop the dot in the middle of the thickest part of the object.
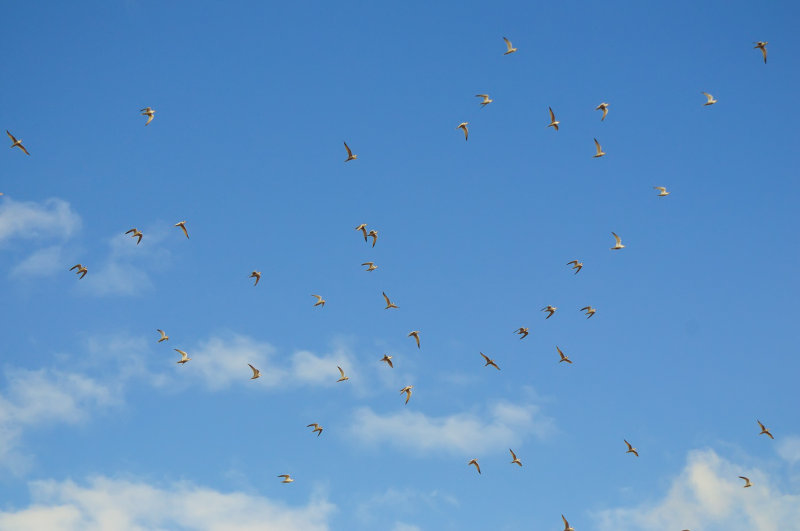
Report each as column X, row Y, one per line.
column 82, row 270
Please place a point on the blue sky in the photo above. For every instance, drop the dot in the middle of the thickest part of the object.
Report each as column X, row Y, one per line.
column 691, row 343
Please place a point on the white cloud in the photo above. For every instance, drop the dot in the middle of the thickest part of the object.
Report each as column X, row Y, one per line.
column 43, row 262
column 789, row 449
column 106, row 504
column 52, row 218
column 394, row 502
column 413, row 431
column 708, row 495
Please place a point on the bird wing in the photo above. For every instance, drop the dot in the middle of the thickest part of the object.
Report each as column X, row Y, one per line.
column 255, row 371
column 573, row 262
column 744, row 478
column 340, row 370
column 764, row 52
column 12, row 137
column 79, row 266
column 161, row 332
column 617, row 238
column 388, row 303
column 319, row 299
column 466, row 131
column 552, row 116
column 349, row 153
column 513, row 455
column 598, row 146
column 368, row 263
column 149, row 119
column 660, row 188
column 508, row 43
column 23, row 149
column 629, row 445
column 390, row 363
column 709, row 96
column 485, row 357
column 566, row 524
column 484, row 96
column 605, row 112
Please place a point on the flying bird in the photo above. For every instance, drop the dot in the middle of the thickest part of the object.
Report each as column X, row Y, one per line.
column 17, row 143
column 164, row 336
column 515, row 458
column 475, row 462
column 711, row 100
column 662, row 192
column 317, row 428
column 763, row 46
column 510, row 48
column 618, row 245
column 551, row 309
column 489, row 361
column 764, row 431
column 600, row 151
column 136, row 234
column 182, row 225
column 577, row 266
column 604, row 107
column 563, row 356
column 374, row 235
column 463, row 125
column 415, row 333
column 553, row 122
column 320, row 301
column 371, row 266
column 486, row 100
column 184, row 356
column 407, row 390
column 256, row 372
column 566, row 524
column 286, row 478
column 81, row 270
column 389, row 304
column 388, row 359
column 746, row 482
column 149, row 112
column 363, row 228
column 350, row 155
column 256, row 275
column 523, row 332
column 343, row 377
column 631, row 449
column 589, row 311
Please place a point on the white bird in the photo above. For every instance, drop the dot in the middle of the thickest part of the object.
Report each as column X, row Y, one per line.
column 256, row 372
column 764, row 431
column 563, row 356
column 317, row 428
column 184, row 356
column 550, row 309
column 566, row 524
column 407, row 390
column 662, row 191
column 589, row 311
column 489, row 361
column 149, row 112
column 81, row 270
column 343, row 377
column 182, row 225
column 600, row 151
column 17, row 143
column 389, row 304
column 515, row 458
column 415, row 333
column 746, row 482
column 522, row 331
column 164, row 336
column 374, row 235
column 486, row 100
column 631, row 449
column 553, row 122
column 370, row 266
column 475, row 462
column 463, row 125
column 350, row 155
column 577, row 266
column 711, row 100
column 320, row 301
column 363, row 228
column 388, row 359
column 256, row 275
column 510, row 48
column 618, row 245
column 286, row 478
column 136, row 234
column 763, row 46
column 604, row 107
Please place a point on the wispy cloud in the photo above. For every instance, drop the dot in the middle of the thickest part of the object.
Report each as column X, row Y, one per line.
column 52, row 218
column 789, row 449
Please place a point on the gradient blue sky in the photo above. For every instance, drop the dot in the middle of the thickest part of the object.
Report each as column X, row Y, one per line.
column 693, row 340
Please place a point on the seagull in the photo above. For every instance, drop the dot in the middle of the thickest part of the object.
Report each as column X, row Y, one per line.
column 577, row 266
column 136, row 234
column 374, row 235
column 589, row 311
column 618, row 245
column 631, row 449
column 184, row 356
column 317, row 428
column 463, row 125
column 563, row 356
column 486, row 99
column 256, row 372
column 320, row 301
column 80, row 270
column 551, row 309
column 662, row 191
column 363, row 228
column 604, row 107
column 553, row 122
column 149, row 112
column 343, row 378
column 389, row 304
column 407, row 390
column 182, row 225
column 164, row 336
column 763, row 46
column 415, row 333
column 711, row 100
column 764, row 431
column 286, row 478
column 17, row 143
column 600, row 152
column 475, row 462
column 566, row 524
column 515, row 458
column 372, row 266
column 523, row 332
column 388, row 359
column 746, row 482
column 489, row 361
column 510, row 48
column 350, row 155
column 256, row 275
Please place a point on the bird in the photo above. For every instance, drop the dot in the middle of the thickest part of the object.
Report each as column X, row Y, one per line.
column 631, row 449
column 256, row 275
column 510, row 48
column 577, row 266
column 551, row 309
column 515, row 458
column 711, row 100
column 764, row 431
column 388, row 359
column 407, row 390
column 164, row 336
column 317, row 428
column 563, row 356
column 149, row 112
column 604, row 107
column 136, row 234
column 566, row 524
column 475, row 462
column 81, row 270
column 17, row 143
column 746, row 482
column 589, row 311
column 350, row 155
column 363, row 228
column 662, row 191
column 182, row 225
column 184, row 356
column 415, row 333
column 553, row 122
column 371, row 266
column 256, row 372
column 463, row 125
column 286, row 478
column 600, row 151
column 343, row 377
column 486, row 99
column 763, row 46
column 389, row 304
column 489, row 361
column 320, row 301
column 523, row 332
column 374, row 235
column 618, row 245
